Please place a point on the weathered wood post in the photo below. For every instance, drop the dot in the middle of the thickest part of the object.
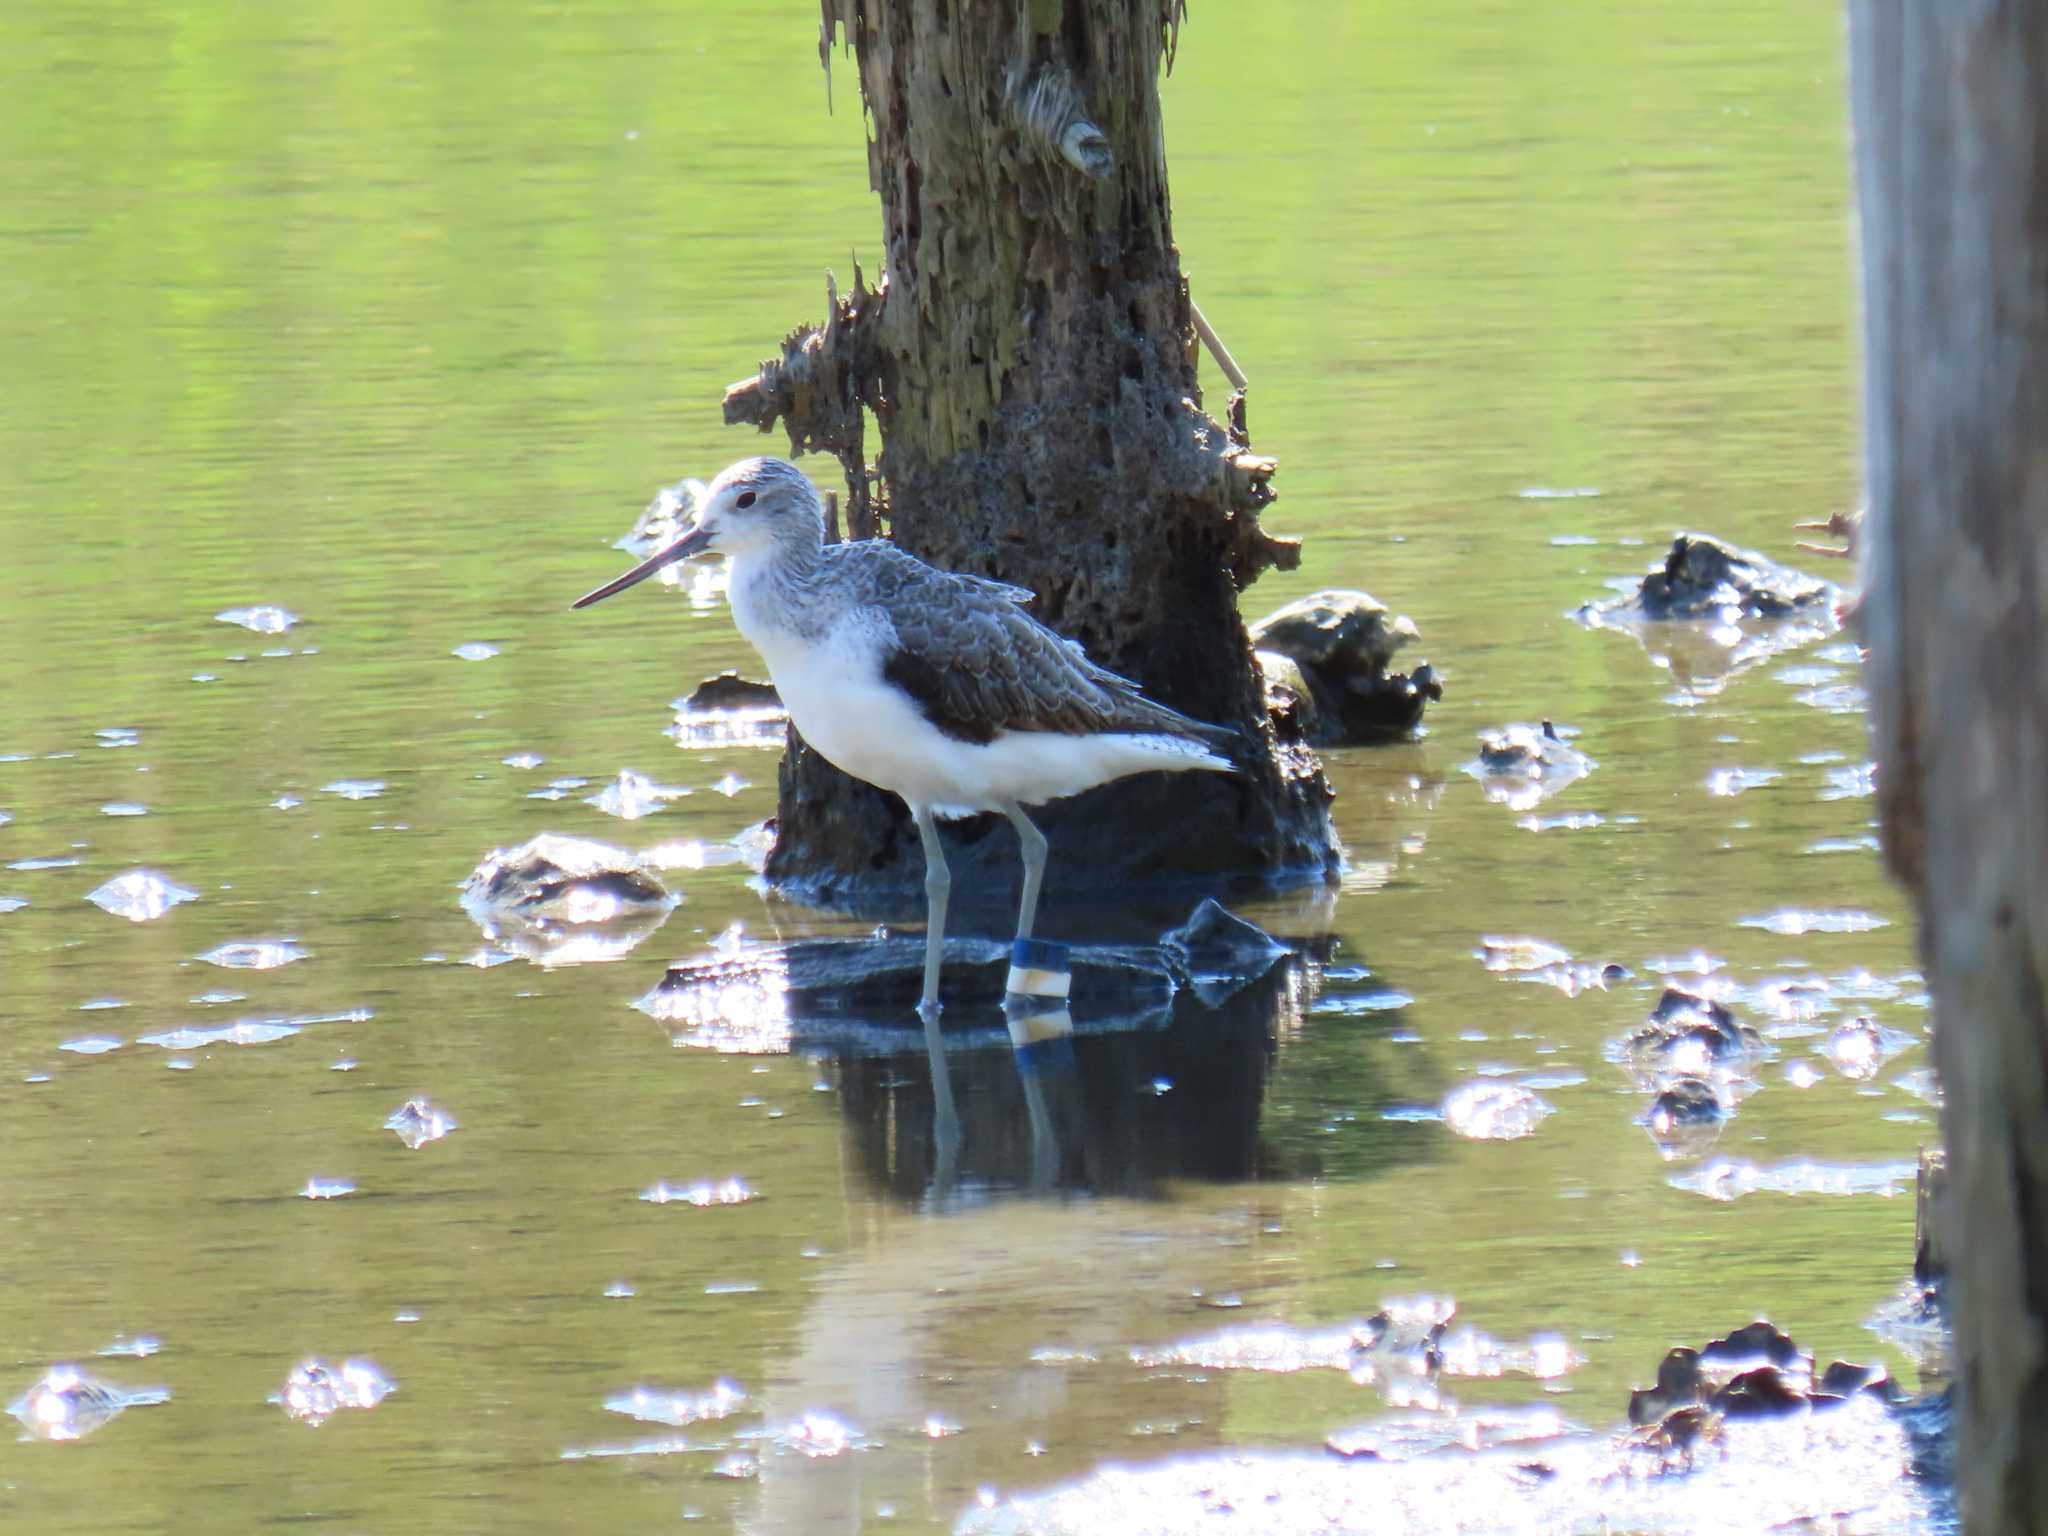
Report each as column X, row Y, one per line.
column 1951, row 107
column 1029, row 359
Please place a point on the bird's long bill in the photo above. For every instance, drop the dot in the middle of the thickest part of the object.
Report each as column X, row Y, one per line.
column 694, row 542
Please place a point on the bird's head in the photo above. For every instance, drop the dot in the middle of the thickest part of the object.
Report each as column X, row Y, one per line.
column 752, row 506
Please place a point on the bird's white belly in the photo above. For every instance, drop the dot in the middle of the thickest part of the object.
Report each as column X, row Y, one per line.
column 875, row 732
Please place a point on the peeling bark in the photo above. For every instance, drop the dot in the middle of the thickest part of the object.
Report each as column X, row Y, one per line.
column 1951, row 109
column 1029, row 359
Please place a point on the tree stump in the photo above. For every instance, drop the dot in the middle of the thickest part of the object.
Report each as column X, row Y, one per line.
column 1029, row 359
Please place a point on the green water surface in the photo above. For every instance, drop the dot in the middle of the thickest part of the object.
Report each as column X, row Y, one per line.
column 396, row 315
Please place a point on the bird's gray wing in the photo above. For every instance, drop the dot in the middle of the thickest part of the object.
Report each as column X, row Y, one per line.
column 1001, row 589
column 978, row 665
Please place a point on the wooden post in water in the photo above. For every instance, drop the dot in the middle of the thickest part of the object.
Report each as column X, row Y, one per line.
column 1951, row 108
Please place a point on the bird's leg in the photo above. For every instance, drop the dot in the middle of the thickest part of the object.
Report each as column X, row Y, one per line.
column 938, row 884
column 1032, row 843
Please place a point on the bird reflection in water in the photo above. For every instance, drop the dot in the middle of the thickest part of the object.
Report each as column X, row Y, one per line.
column 1065, row 1108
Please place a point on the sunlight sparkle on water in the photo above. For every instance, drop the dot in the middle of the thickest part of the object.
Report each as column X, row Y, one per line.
column 1726, row 782
column 67, row 1404
column 1494, row 1111
column 354, row 789
column 140, row 895
column 632, row 795
column 704, row 1194
column 316, row 1391
column 191, row 1037
column 264, row 619
column 1726, row 1179
column 1791, row 922
column 254, row 954
column 417, row 1122
column 679, row 1409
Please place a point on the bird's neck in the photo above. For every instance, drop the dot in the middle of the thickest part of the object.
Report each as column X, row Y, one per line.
column 769, row 590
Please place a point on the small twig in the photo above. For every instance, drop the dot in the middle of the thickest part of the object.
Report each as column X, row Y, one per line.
column 1216, row 348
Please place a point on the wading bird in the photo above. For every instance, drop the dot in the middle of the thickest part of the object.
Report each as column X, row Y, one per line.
column 935, row 686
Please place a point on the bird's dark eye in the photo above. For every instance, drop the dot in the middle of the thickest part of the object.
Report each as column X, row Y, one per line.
column 744, row 499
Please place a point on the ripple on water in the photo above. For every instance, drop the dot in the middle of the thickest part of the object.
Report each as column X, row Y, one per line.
column 1835, row 699
column 1494, row 1111
column 64, row 1403
column 123, row 808
column 632, row 795
column 1569, row 821
column 254, row 954
column 703, row 1194
column 140, row 895
column 327, row 1189
column 1730, row 1179
column 264, row 619
column 1380, row 1000
column 690, row 853
column 1845, row 1468
column 54, row 861
column 354, row 789
column 1698, row 963
column 91, row 1045
column 315, row 1391
column 1792, row 922
column 1498, row 953
column 1727, row 782
column 475, row 650
column 1854, row 781
column 816, row 1435
column 1867, row 843
column 12, row 903
column 418, row 1121
column 141, row 1347
column 679, row 1409
column 193, row 1037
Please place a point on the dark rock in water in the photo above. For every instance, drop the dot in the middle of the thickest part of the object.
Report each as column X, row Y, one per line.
column 1712, row 611
column 1688, row 1026
column 1327, row 661
column 1680, row 1005
column 1704, row 578
column 561, row 877
column 1219, row 952
column 1413, row 1328
column 1843, row 1380
column 1757, row 1341
column 559, row 900
column 1757, row 1394
column 1755, row 1372
column 1522, row 765
column 1678, row 1383
column 728, row 690
column 1685, row 1115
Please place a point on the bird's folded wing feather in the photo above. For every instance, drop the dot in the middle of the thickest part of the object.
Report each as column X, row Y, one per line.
column 978, row 665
